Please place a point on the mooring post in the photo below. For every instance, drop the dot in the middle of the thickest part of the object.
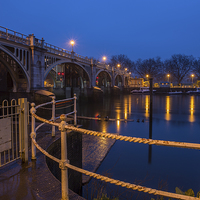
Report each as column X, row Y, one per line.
column 33, row 133
column 64, row 171
column 23, row 129
column 53, row 115
column 75, row 111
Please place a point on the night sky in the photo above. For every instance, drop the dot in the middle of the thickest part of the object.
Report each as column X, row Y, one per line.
column 137, row 28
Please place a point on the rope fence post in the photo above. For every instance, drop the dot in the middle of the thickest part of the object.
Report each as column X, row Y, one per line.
column 75, row 111
column 33, row 133
column 53, row 115
column 64, row 171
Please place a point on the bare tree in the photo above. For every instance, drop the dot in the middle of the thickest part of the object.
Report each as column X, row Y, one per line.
column 122, row 61
column 178, row 66
column 196, row 68
column 151, row 67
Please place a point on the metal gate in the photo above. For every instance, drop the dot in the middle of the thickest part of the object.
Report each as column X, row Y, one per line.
column 13, row 131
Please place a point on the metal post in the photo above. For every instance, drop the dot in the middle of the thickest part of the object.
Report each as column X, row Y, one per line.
column 64, row 171
column 53, row 115
column 150, row 119
column 23, row 128
column 33, row 133
column 75, row 111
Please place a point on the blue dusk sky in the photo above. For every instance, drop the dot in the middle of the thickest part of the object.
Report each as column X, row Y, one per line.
column 137, row 28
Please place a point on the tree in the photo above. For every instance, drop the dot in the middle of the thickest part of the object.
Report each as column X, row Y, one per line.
column 151, row 67
column 178, row 66
column 196, row 68
column 121, row 60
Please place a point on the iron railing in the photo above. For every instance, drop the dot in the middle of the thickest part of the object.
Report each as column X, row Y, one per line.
column 64, row 164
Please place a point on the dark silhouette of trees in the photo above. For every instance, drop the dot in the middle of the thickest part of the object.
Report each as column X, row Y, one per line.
column 178, row 66
column 151, row 67
column 196, row 68
column 121, row 60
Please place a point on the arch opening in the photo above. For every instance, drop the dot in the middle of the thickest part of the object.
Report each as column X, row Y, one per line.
column 118, row 80
column 12, row 76
column 67, row 75
column 103, row 79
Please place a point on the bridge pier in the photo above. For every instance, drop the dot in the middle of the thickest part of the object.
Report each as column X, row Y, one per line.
column 37, row 64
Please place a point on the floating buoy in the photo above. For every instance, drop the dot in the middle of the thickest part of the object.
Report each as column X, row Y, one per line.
column 142, row 120
column 138, row 120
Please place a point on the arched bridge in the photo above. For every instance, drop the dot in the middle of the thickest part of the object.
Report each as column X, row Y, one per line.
column 28, row 63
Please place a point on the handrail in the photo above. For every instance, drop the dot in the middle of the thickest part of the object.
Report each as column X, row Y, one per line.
column 113, row 181
column 63, row 163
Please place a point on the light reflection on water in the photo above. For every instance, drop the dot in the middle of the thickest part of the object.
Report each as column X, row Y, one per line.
column 167, row 115
column 175, row 118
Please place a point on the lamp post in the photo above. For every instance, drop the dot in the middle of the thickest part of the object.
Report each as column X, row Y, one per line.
column 118, row 65
column 168, row 77
column 72, row 43
column 104, row 59
column 192, row 77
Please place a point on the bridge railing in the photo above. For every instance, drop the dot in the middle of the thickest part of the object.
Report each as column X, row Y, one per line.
column 9, row 34
column 64, row 163
column 13, row 35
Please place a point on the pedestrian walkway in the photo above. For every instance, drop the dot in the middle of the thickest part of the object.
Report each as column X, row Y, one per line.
column 34, row 181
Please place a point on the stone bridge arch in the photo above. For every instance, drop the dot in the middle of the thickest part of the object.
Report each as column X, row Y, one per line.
column 102, row 78
column 118, row 80
column 83, row 73
column 19, row 75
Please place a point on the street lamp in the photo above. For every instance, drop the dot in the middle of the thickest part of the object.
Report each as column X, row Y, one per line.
column 118, row 65
column 192, row 77
column 72, row 43
column 168, row 75
column 125, row 69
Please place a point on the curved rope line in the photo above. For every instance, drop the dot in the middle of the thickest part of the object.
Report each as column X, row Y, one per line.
column 125, row 138
column 117, row 182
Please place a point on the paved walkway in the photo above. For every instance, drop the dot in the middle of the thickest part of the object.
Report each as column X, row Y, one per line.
column 34, row 181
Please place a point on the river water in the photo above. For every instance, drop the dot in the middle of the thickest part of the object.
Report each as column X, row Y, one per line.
column 174, row 118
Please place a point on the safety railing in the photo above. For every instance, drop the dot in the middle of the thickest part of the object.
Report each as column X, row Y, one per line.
column 13, row 131
column 64, row 163
column 13, row 35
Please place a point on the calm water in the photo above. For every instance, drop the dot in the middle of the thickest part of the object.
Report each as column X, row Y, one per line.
column 175, row 118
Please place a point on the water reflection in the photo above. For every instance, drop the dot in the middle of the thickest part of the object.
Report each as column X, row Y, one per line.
column 129, row 104
column 191, row 117
column 118, row 112
column 147, row 106
column 167, row 115
column 125, row 108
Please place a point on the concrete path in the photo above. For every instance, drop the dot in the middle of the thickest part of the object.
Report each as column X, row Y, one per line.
column 34, row 181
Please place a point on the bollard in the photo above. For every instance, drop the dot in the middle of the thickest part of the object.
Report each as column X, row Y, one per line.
column 23, row 129
column 53, row 115
column 64, row 171
column 75, row 111
column 33, row 133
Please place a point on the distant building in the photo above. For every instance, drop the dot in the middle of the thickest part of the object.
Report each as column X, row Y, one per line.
column 136, row 82
column 164, row 84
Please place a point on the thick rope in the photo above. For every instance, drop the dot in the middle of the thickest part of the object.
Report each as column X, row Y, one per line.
column 131, row 186
column 44, row 152
column 125, row 138
column 135, row 139
column 117, row 182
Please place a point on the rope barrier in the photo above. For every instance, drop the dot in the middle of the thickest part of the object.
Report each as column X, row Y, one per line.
column 125, row 138
column 135, row 139
column 131, row 186
column 117, row 182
